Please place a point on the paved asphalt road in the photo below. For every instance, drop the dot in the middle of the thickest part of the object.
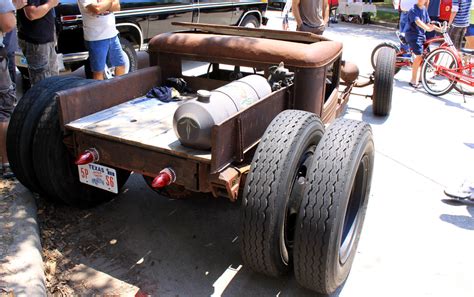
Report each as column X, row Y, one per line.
column 414, row 243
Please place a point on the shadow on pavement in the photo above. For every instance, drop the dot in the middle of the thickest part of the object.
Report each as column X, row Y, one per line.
column 464, row 222
column 158, row 246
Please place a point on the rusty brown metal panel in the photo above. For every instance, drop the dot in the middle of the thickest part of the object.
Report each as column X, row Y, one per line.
column 140, row 160
column 330, row 107
column 305, row 37
column 82, row 101
column 309, row 90
column 229, row 143
column 170, row 64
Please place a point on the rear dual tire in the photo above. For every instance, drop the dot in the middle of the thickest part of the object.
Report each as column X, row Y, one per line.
column 39, row 157
column 307, row 226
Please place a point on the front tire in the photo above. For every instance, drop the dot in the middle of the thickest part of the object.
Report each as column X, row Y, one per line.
column 383, row 82
column 376, row 50
column 273, row 191
column 334, row 204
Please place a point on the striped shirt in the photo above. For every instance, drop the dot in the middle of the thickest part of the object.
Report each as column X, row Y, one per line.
column 462, row 7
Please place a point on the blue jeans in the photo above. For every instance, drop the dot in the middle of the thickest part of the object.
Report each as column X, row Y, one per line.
column 403, row 28
column 105, row 51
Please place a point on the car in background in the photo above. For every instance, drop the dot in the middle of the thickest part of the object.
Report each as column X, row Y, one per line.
column 140, row 20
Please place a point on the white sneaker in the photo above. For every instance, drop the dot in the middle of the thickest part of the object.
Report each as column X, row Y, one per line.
column 465, row 191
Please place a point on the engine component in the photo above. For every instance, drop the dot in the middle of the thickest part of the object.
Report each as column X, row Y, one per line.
column 193, row 120
column 280, row 77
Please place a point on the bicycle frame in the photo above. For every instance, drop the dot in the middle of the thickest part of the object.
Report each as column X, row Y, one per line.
column 456, row 74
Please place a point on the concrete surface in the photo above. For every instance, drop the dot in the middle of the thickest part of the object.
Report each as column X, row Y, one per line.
column 21, row 265
column 414, row 242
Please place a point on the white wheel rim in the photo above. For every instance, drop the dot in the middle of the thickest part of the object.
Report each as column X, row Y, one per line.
column 110, row 71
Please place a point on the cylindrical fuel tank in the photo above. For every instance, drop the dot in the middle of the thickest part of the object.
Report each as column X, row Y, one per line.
column 193, row 120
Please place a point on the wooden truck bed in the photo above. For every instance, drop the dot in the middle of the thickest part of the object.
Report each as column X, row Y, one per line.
column 143, row 122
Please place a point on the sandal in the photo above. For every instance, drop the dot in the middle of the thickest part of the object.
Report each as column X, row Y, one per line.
column 7, row 173
column 415, row 86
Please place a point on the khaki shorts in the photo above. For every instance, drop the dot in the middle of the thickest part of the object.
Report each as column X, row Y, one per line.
column 7, row 92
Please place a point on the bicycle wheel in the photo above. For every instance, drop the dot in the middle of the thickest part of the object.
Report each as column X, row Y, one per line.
column 435, row 82
column 376, row 50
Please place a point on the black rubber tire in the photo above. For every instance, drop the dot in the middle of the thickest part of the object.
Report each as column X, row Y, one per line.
column 273, row 191
column 383, row 82
column 23, row 124
column 128, row 49
column 55, row 169
column 338, row 180
column 424, row 71
column 250, row 20
column 373, row 56
column 173, row 191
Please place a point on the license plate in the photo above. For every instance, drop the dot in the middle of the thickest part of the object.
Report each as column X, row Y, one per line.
column 98, row 176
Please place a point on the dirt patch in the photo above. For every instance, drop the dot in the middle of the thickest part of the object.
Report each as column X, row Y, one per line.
column 69, row 239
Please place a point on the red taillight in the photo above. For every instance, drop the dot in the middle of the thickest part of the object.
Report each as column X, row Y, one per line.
column 89, row 156
column 68, row 18
column 164, row 178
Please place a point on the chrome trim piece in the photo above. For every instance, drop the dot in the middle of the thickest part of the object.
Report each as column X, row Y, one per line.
column 174, row 9
column 136, row 27
column 249, row 12
column 75, row 57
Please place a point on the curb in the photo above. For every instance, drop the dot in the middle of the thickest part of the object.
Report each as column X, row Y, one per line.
column 21, row 264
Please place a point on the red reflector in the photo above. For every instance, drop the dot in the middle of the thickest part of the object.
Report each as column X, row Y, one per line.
column 85, row 158
column 89, row 156
column 164, row 178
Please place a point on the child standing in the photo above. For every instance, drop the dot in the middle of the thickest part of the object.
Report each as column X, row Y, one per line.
column 417, row 26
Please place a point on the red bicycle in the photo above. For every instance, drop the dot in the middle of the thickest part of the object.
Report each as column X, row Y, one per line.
column 446, row 68
column 404, row 58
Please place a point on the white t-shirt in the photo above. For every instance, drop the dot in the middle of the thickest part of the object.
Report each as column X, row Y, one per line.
column 96, row 27
column 406, row 5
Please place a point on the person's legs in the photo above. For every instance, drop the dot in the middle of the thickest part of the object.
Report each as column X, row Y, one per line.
column 417, row 48
column 97, row 57
column 402, row 29
column 7, row 99
column 470, row 37
column 115, row 56
column 37, row 57
column 415, row 72
column 52, row 59
column 457, row 36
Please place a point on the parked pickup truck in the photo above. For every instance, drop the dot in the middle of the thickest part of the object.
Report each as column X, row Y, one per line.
column 140, row 20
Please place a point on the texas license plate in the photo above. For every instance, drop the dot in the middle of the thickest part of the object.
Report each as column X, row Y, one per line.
column 98, row 176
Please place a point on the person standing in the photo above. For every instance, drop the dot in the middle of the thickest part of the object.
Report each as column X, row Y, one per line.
column 7, row 91
column 459, row 21
column 470, row 30
column 434, row 7
column 417, row 26
column 37, row 38
column 311, row 15
column 405, row 6
column 100, row 35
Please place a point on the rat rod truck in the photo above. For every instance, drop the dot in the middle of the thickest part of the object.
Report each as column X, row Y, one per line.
column 302, row 176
